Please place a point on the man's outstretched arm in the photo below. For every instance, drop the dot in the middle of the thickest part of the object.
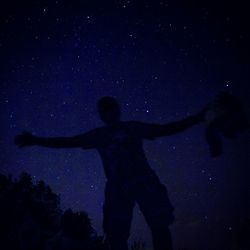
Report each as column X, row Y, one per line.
column 158, row 130
column 27, row 139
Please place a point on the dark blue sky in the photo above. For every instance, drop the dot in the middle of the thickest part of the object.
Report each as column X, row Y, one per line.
column 162, row 60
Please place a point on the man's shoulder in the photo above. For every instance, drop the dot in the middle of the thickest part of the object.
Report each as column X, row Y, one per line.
column 123, row 124
column 133, row 125
column 94, row 131
column 131, row 122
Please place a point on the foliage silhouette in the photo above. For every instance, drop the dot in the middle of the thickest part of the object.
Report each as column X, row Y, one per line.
column 31, row 218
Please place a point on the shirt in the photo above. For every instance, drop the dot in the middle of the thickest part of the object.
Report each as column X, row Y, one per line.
column 121, row 148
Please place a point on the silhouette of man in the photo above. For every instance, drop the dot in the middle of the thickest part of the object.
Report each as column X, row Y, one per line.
column 130, row 179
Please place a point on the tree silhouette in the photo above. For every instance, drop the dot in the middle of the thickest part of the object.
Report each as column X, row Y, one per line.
column 31, row 218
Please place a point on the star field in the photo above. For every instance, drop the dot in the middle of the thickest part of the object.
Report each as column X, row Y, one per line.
column 163, row 61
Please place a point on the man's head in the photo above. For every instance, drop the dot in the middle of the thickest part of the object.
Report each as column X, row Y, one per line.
column 108, row 109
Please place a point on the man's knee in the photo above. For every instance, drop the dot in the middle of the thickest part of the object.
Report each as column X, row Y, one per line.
column 162, row 239
column 116, row 229
column 157, row 207
column 116, row 242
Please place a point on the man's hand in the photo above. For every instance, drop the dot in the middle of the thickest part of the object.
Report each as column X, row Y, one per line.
column 25, row 139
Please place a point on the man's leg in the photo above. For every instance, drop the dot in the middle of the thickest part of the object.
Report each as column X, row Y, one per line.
column 117, row 216
column 154, row 203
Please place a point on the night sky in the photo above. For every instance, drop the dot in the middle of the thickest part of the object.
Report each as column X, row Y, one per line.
column 162, row 60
